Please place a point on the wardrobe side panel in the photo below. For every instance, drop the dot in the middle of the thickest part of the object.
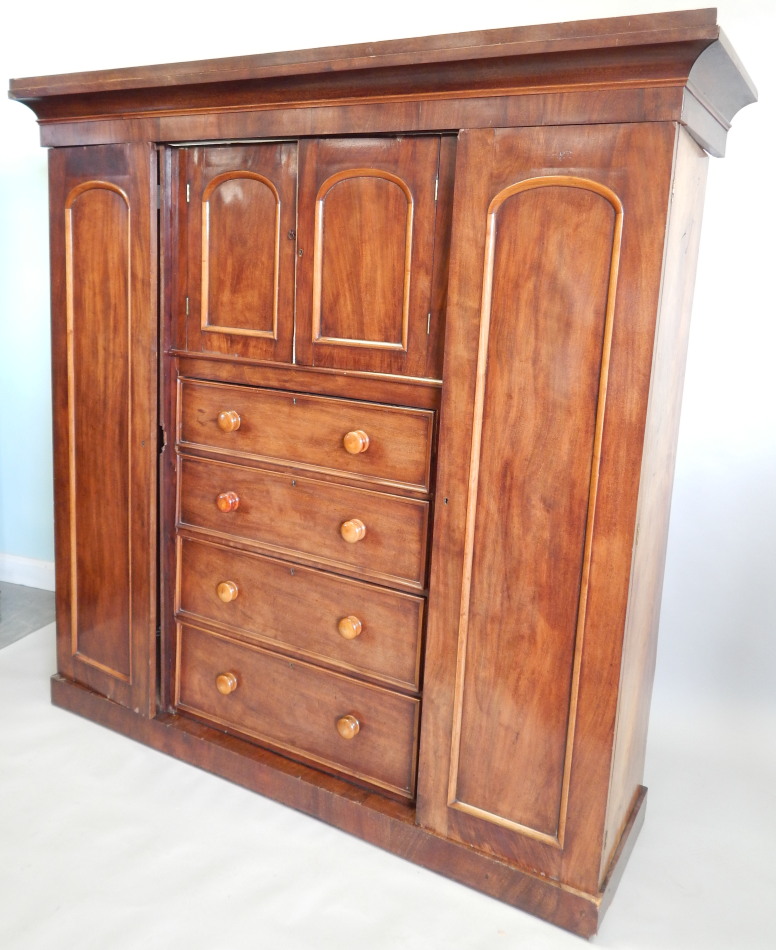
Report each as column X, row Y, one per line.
column 104, row 334
column 657, row 476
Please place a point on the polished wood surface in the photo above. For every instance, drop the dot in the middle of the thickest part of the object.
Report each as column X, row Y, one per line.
column 447, row 275
column 510, row 588
column 104, row 355
column 294, row 609
column 366, row 232
column 657, row 468
column 240, row 209
column 374, row 387
column 652, row 51
column 297, row 707
column 688, row 25
column 303, row 518
column 551, row 263
column 311, row 431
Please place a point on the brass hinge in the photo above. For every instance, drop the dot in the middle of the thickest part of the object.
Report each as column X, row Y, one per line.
column 187, row 306
column 188, row 192
column 436, row 189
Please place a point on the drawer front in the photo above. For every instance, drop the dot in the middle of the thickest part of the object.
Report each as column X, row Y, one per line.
column 384, row 443
column 358, row 627
column 308, row 517
column 298, row 708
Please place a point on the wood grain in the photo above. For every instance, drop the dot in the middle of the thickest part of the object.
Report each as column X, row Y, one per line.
column 366, row 232
column 546, row 38
column 104, row 356
column 296, row 707
column 298, row 610
column 300, row 517
column 309, row 430
column 541, row 715
column 240, row 210
column 552, row 251
column 328, row 223
column 656, row 481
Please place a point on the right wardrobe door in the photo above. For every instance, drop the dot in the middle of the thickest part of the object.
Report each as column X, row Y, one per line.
column 556, row 263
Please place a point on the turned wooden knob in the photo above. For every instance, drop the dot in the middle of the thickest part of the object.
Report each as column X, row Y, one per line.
column 228, row 501
column 227, row 591
column 229, row 420
column 350, row 627
column 348, row 727
column 353, row 530
column 226, row 683
column 356, row 441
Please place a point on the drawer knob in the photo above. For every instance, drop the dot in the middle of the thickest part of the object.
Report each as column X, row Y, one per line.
column 227, row 591
column 228, row 420
column 353, row 530
column 228, row 501
column 356, row 441
column 226, row 683
column 348, row 727
column 350, row 627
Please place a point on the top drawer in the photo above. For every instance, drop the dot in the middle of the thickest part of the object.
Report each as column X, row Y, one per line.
column 383, row 444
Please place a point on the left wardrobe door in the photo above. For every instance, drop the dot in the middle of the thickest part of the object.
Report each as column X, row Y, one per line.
column 104, row 354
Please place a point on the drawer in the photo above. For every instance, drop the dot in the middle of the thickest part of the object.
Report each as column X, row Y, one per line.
column 385, row 443
column 303, row 516
column 358, row 627
column 297, row 708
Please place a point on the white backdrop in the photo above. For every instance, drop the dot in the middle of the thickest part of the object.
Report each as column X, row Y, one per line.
column 717, row 654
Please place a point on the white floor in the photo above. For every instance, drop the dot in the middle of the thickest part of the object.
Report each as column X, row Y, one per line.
column 106, row 844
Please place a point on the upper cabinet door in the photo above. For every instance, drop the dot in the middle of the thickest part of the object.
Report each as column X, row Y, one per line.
column 367, row 218
column 240, row 206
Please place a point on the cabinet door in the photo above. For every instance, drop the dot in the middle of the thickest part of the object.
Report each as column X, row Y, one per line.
column 556, row 262
column 240, row 221
column 104, row 332
column 367, row 212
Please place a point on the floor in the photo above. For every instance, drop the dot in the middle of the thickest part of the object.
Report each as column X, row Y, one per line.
column 107, row 844
column 22, row 610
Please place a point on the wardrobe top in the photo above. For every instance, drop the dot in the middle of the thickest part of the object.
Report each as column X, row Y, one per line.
column 685, row 48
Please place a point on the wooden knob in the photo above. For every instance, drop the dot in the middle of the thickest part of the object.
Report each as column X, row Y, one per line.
column 227, row 591
column 228, row 501
column 353, row 530
column 356, row 441
column 348, row 727
column 226, row 683
column 350, row 627
column 229, row 420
